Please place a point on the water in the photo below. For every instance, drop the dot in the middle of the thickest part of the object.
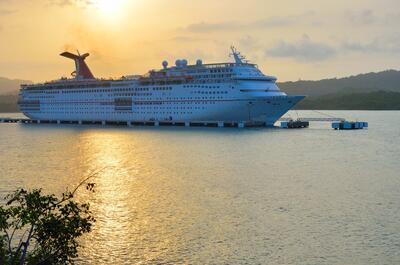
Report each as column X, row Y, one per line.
column 223, row 196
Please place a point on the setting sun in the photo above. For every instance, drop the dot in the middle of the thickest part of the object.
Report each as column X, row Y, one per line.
column 109, row 7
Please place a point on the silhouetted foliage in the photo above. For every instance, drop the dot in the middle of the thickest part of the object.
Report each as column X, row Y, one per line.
column 36, row 228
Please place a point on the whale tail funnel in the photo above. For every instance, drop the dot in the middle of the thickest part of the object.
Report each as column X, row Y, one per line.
column 82, row 71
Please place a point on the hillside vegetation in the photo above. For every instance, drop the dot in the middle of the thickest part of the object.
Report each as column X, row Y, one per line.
column 379, row 100
column 8, row 103
column 11, row 86
column 372, row 91
column 383, row 81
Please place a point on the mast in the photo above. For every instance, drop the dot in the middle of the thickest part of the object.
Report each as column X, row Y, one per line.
column 239, row 58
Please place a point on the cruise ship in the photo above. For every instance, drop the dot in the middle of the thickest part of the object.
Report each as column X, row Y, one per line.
column 219, row 92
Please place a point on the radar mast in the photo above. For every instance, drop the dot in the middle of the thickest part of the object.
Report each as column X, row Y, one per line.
column 239, row 58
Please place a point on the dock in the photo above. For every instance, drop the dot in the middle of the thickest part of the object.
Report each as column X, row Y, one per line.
column 315, row 119
column 217, row 124
column 287, row 123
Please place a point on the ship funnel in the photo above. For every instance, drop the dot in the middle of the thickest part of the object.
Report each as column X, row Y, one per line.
column 82, row 70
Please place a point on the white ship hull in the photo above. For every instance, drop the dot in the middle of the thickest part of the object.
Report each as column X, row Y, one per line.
column 267, row 111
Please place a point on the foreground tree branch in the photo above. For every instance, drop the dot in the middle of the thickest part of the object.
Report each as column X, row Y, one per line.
column 36, row 228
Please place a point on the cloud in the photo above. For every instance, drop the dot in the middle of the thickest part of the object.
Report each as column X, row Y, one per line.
column 362, row 18
column 359, row 47
column 79, row 3
column 378, row 45
column 61, row 2
column 271, row 22
column 181, row 38
column 368, row 18
column 304, row 18
column 248, row 42
column 392, row 19
column 4, row 12
column 206, row 27
column 303, row 50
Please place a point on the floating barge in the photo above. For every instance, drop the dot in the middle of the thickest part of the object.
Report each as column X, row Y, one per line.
column 349, row 125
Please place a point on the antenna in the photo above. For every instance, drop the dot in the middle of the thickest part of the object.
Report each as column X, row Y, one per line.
column 239, row 58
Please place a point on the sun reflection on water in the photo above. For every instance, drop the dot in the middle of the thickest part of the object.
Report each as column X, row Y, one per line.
column 122, row 201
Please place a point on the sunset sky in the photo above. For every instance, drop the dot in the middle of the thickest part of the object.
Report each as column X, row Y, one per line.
column 309, row 39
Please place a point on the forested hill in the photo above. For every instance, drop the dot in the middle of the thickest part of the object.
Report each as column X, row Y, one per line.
column 372, row 91
column 382, row 81
column 8, row 93
column 11, row 86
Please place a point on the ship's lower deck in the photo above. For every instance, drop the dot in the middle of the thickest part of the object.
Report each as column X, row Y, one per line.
column 220, row 124
column 253, row 110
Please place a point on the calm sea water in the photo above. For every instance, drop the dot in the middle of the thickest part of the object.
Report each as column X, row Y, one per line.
column 223, row 196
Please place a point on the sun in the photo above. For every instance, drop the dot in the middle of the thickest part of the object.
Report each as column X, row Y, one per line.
column 110, row 8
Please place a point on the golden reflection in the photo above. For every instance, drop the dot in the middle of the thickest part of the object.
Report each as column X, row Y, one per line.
column 124, row 200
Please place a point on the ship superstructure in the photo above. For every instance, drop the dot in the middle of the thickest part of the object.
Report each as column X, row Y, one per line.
column 228, row 92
